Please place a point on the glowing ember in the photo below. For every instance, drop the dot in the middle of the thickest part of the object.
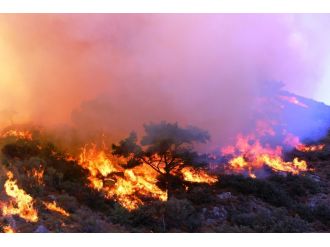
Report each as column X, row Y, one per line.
column 52, row 206
column 124, row 186
column 197, row 176
column 21, row 134
column 37, row 174
column 21, row 204
column 311, row 148
column 8, row 229
column 293, row 100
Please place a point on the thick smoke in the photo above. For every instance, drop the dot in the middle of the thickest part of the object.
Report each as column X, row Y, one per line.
column 115, row 72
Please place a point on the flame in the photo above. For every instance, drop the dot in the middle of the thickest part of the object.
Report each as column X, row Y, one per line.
column 8, row 229
column 197, row 176
column 52, row 206
column 126, row 186
column 38, row 175
column 21, row 134
column 293, row 100
column 294, row 141
column 310, row 148
column 250, row 155
column 21, row 204
column 123, row 185
column 96, row 162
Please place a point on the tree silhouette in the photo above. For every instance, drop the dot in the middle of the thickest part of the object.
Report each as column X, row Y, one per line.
column 166, row 147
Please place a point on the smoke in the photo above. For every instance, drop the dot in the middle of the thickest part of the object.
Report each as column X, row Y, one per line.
column 114, row 72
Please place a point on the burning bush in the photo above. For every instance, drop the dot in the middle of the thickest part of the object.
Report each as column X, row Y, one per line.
column 167, row 149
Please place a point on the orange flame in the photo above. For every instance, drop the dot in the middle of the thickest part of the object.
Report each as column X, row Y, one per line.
column 8, row 229
column 127, row 185
column 124, row 186
column 21, row 134
column 22, row 203
column 311, row 148
column 293, row 100
column 38, row 175
column 197, row 176
column 52, row 206
column 249, row 155
column 294, row 141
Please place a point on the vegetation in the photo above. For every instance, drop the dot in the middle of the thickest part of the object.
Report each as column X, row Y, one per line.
column 167, row 148
column 277, row 203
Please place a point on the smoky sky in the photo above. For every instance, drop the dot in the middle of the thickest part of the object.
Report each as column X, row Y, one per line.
column 115, row 72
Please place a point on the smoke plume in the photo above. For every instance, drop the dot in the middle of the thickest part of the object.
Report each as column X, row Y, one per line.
column 114, row 72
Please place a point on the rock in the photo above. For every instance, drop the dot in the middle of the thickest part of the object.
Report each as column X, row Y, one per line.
column 52, row 197
column 224, row 196
column 315, row 178
column 210, row 222
column 317, row 200
column 219, row 213
column 41, row 229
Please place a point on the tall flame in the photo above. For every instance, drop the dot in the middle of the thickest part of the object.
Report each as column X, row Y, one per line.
column 21, row 203
column 126, row 186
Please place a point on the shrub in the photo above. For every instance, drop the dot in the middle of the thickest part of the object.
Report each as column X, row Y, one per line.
column 262, row 189
column 180, row 214
column 21, row 149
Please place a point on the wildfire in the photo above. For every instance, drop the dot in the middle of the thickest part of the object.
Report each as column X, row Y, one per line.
column 126, row 186
column 21, row 203
column 21, row 134
column 52, row 206
column 8, row 229
column 293, row 100
column 311, row 148
column 197, row 176
column 122, row 185
column 249, row 154
column 294, row 141
column 97, row 162
column 37, row 174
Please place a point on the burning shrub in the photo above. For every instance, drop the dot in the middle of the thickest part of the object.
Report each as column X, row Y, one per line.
column 166, row 148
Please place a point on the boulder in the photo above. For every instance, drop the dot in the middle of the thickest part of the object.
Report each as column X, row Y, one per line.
column 224, row 196
column 41, row 229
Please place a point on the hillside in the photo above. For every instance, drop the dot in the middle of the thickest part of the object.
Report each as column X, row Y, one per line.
column 47, row 189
